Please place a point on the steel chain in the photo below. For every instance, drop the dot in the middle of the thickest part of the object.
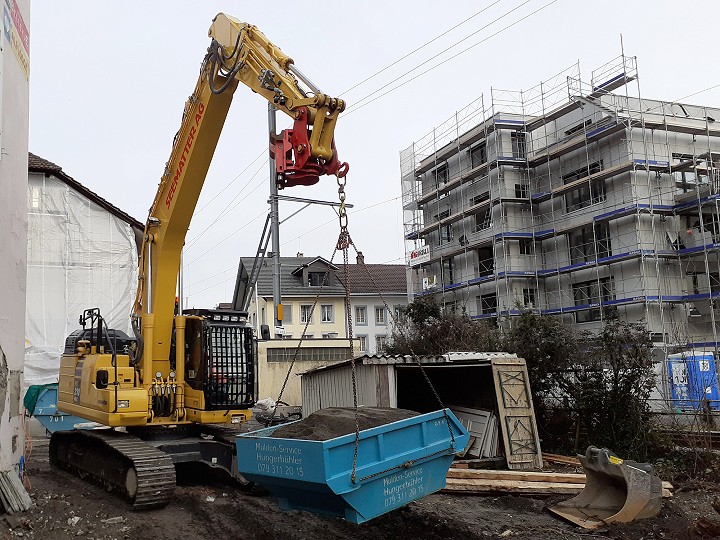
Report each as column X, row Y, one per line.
column 415, row 357
column 343, row 243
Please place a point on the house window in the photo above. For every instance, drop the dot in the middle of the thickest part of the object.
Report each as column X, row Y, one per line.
column 483, row 220
column 446, row 234
column 478, row 155
column 380, row 315
column 442, row 215
column 360, row 314
column 380, row 343
column 447, row 271
column 306, row 313
column 529, row 298
column 585, row 245
column 586, row 194
column 592, row 293
column 486, row 262
column 527, row 247
column 315, row 279
column 519, row 149
column 703, row 284
column 326, row 313
column 363, row 343
column 486, row 304
column 397, row 312
column 522, row 191
column 477, row 199
column 35, row 197
column 287, row 313
column 441, row 175
column 449, row 307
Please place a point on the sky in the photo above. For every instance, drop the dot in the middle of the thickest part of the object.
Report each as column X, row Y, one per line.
column 109, row 81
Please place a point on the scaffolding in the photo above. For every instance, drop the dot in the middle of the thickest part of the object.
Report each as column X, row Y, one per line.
column 572, row 198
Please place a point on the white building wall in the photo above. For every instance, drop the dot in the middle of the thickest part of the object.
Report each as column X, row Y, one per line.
column 80, row 256
column 372, row 328
column 14, row 92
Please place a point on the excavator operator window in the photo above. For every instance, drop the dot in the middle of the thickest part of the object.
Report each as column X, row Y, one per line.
column 194, row 365
column 228, row 365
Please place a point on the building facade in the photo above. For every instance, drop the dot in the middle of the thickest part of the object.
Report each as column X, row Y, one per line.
column 373, row 313
column 82, row 252
column 377, row 291
column 572, row 198
column 14, row 115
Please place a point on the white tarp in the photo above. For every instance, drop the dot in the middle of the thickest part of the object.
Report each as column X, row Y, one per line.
column 80, row 256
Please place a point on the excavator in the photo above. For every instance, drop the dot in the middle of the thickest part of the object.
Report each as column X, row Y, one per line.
column 181, row 385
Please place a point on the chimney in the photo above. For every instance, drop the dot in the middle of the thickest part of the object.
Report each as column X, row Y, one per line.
column 360, row 257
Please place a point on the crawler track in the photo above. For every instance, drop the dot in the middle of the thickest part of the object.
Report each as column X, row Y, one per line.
column 119, row 461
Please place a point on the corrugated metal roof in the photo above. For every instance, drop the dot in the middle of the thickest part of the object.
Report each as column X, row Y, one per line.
column 456, row 358
column 38, row 164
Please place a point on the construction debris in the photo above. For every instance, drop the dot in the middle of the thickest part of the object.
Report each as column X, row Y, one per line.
column 13, row 496
column 483, row 427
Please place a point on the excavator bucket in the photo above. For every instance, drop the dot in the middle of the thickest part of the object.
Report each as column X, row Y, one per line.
column 615, row 490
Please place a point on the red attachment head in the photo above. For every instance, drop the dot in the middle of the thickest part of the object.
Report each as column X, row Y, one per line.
column 293, row 158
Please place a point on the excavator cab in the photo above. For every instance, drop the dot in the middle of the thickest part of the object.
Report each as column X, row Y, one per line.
column 220, row 353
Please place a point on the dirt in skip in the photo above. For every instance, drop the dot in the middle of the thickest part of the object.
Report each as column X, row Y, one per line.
column 334, row 422
column 67, row 507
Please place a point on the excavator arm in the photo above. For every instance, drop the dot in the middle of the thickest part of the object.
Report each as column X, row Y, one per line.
column 238, row 53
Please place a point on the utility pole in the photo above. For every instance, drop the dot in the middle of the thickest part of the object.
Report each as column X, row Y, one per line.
column 275, row 222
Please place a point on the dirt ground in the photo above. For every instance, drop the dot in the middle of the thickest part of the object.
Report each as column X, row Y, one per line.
column 67, row 507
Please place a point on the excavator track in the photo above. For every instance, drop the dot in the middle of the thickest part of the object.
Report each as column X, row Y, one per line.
column 118, row 461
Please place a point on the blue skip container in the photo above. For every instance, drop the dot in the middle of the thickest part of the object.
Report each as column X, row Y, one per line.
column 41, row 402
column 397, row 463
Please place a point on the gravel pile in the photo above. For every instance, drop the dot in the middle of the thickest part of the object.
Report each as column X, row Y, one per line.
column 334, row 422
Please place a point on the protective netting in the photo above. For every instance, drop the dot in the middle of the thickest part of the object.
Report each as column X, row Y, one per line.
column 80, row 256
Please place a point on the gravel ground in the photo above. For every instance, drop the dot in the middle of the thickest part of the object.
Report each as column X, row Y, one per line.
column 67, row 507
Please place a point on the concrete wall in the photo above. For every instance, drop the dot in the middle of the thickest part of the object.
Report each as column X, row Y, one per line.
column 13, row 228
column 271, row 374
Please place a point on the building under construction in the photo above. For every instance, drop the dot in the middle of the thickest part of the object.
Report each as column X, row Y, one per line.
column 572, row 198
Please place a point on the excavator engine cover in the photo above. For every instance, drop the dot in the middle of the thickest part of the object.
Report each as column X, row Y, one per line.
column 616, row 490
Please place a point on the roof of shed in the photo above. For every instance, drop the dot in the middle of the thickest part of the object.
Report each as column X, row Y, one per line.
column 454, row 358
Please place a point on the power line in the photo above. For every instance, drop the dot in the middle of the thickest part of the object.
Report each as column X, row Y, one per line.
column 418, row 48
column 335, row 219
column 230, row 183
column 685, row 97
column 359, row 102
column 352, row 110
column 263, row 213
column 227, row 209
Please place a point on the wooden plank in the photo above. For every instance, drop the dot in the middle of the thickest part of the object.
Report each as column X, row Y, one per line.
column 564, row 460
column 525, row 476
column 518, row 487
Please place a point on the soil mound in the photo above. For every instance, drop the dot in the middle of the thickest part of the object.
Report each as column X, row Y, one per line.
column 334, row 422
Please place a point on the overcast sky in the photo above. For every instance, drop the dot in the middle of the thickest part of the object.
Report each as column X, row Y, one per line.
column 109, row 81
